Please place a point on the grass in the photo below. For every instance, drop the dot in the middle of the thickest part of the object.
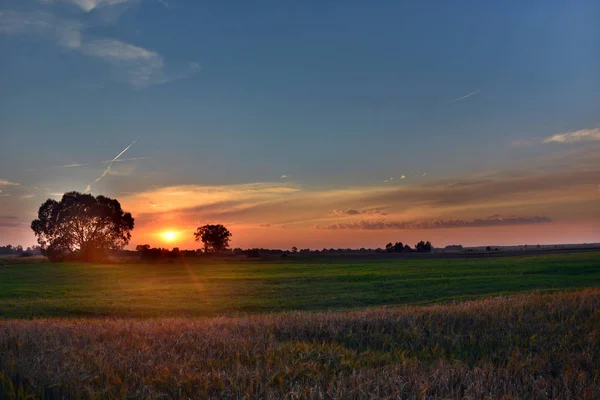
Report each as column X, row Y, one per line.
column 211, row 288
column 535, row 346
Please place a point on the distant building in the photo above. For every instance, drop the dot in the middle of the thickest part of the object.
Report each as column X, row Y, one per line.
column 454, row 247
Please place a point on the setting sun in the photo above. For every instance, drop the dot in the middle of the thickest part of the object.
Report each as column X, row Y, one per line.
column 169, row 236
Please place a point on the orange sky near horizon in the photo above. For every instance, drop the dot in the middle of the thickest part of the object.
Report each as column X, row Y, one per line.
column 316, row 239
column 535, row 206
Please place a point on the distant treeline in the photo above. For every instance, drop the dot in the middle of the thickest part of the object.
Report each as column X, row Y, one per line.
column 146, row 252
column 10, row 250
column 398, row 247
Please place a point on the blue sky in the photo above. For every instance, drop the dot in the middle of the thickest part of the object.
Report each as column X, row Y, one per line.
column 332, row 95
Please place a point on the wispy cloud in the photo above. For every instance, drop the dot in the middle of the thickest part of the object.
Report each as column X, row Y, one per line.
column 165, row 3
column 141, row 67
column 495, row 220
column 64, row 32
column 173, row 198
column 126, row 159
column 352, row 211
column 71, row 165
column 6, row 182
column 548, row 193
column 285, row 176
column 90, row 5
column 135, row 65
column 582, row 135
column 9, row 221
column 466, row 96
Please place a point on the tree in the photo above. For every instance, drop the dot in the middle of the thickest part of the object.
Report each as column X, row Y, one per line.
column 398, row 247
column 215, row 237
column 423, row 247
column 142, row 247
column 83, row 225
column 294, row 249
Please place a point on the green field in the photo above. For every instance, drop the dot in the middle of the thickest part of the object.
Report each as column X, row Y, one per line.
column 220, row 287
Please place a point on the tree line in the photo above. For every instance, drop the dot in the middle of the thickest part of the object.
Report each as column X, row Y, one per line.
column 85, row 227
column 398, row 247
column 10, row 250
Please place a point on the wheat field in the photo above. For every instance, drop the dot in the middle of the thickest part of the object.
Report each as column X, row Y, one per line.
column 539, row 346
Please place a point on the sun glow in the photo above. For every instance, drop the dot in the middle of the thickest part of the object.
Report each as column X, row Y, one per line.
column 169, row 236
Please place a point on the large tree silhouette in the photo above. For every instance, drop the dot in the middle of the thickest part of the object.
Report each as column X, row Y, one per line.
column 82, row 224
column 215, row 237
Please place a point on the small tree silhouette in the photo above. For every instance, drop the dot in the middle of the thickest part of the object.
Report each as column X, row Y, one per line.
column 423, row 247
column 215, row 237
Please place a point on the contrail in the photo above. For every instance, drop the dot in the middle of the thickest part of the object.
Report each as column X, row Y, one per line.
column 466, row 96
column 71, row 165
column 107, row 169
column 126, row 159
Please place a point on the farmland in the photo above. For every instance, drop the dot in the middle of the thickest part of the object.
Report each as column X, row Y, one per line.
column 222, row 287
column 524, row 326
column 523, row 346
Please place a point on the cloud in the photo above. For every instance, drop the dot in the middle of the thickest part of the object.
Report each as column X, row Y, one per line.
column 137, row 66
column 352, row 211
column 550, row 192
column 208, row 198
column 89, row 5
column 125, row 159
column 349, row 211
column 142, row 67
column 122, row 171
column 165, row 3
column 582, row 135
column 403, row 177
column 65, row 32
column 9, row 221
column 466, row 96
column 495, row 220
column 27, row 196
column 278, row 226
column 5, row 182
column 71, row 165
column 285, row 176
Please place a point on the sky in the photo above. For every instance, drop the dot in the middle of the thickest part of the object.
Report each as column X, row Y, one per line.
column 309, row 124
